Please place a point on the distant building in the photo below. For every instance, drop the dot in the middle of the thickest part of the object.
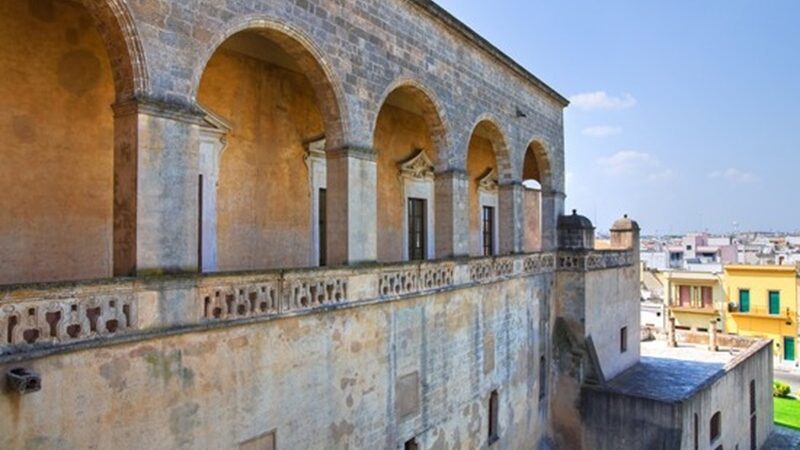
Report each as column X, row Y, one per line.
column 762, row 301
column 695, row 299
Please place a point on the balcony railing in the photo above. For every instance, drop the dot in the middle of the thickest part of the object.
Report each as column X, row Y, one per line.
column 761, row 311
column 53, row 315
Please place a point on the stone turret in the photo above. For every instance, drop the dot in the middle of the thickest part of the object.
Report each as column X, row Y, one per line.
column 625, row 235
column 575, row 232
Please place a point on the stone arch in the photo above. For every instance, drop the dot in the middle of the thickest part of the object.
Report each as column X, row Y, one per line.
column 115, row 24
column 493, row 131
column 65, row 64
column 408, row 136
column 536, row 164
column 431, row 111
column 308, row 57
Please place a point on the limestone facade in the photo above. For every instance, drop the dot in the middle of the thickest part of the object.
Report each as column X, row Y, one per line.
column 235, row 177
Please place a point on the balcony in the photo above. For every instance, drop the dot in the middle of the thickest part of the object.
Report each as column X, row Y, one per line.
column 45, row 318
column 704, row 310
column 763, row 312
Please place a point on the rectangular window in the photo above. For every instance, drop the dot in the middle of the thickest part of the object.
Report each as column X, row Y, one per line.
column 774, row 302
column 623, row 340
column 788, row 348
column 753, row 442
column 416, row 229
column 488, row 231
column 744, row 300
column 707, row 294
column 752, row 396
column 696, row 432
column 494, row 406
column 684, row 293
column 323, row 227
column 716, row 426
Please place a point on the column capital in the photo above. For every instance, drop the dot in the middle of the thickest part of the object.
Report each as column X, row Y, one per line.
column 352, row 151
column 167, row 109
column 452, row 174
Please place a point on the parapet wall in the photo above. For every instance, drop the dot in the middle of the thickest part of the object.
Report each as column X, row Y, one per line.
column 373, row 376
column 359, row 357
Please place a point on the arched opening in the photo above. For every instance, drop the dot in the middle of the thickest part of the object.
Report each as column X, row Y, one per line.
column 270, row 107
column 57, row 161
column 408, row 140
column 534, row 168
column 486, row 145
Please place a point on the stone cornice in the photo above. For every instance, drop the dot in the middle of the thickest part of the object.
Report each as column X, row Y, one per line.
column 182, row 112
column 479, row 41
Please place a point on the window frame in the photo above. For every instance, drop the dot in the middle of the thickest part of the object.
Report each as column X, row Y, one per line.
column 488, row 230
column 623, row 339
column 494, row 421
column 715, row 427
column 417, row 214
column 744, row 299
column 777, row 293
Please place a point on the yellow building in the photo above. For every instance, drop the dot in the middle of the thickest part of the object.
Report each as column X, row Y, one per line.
column 762, row 301
column 695, row 299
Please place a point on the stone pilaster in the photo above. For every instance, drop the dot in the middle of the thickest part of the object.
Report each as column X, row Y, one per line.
column 352, row 205
column 155, row 188
column 552, row 208
column 452, row 214
column 510, row 199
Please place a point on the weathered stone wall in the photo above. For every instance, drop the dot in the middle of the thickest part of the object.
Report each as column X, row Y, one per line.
column 370, row 377
column 730, row 395
column 609, row 307
column 263, row 196
column 56, row 157
column 613, row 421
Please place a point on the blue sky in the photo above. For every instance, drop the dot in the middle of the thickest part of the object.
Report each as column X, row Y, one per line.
column 685, row 114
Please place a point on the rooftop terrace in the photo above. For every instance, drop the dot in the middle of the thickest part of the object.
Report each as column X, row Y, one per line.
column 672, row 374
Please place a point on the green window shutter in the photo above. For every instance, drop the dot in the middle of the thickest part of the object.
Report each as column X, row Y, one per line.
column 788, row 348
column 744, row 300
column 774, row 302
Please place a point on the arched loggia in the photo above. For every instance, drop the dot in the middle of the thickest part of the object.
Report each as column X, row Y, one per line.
column 64, row 63
column 487, row 162
column 535, row 175
column 272, row 108
column 409, row 140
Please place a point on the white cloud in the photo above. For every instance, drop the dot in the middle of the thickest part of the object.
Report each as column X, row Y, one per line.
column 640, row 165
column 734, row 175
column 626, row 161
column 602, row 131
column 663, row 175
column 600, row 100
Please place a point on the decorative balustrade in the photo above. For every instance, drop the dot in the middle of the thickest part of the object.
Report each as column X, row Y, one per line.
column 239, row 297
column 416, row 278
column 57, row 314
column 580, row 261
column 66, row 314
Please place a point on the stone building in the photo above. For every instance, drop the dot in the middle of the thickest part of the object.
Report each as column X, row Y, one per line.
column 306, row 225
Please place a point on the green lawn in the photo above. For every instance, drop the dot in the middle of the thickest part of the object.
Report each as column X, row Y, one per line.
column 787, row 412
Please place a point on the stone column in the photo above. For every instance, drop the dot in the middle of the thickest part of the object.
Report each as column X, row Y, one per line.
column 452, row 214
column 352, row 206
column 671, row 339
column 712, row 336
column 155, row 188
column 510, row 200
column 552, row 209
